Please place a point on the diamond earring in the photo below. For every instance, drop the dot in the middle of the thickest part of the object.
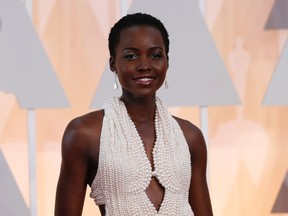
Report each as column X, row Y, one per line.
column 115, row 81
column 166, row 84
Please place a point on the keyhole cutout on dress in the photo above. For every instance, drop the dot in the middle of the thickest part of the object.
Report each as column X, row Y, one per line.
column 155, row 191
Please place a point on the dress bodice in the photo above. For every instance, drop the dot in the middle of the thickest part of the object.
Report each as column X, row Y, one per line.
column 124, row 171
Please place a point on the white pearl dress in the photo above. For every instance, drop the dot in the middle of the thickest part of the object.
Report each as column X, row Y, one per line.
column 124, row 171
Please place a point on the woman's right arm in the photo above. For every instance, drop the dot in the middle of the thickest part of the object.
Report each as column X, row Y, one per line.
column 72, row 183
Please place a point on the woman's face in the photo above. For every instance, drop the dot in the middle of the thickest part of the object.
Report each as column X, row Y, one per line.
column 140, row 61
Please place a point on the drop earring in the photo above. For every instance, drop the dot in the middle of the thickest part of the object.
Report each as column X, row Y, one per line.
column 115, row 81
column 166, row 84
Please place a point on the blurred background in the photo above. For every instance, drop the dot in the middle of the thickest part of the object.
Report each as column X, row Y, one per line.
column 247, row 143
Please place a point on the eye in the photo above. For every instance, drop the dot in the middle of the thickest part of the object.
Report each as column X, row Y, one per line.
column 130, row 56
column 156, row 55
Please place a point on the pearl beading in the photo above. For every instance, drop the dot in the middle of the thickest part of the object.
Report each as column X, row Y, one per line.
column 124, row 170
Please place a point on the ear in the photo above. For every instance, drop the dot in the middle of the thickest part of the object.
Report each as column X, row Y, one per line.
column 167, row 61
column 112, row 63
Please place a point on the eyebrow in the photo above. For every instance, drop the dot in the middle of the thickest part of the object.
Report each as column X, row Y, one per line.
column 136, row 49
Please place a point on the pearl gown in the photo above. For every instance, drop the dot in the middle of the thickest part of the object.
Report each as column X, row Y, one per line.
column 124, row 170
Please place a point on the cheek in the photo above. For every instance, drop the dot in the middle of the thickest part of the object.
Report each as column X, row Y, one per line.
column 124, row 73
column 124, row 67
column 162, row 68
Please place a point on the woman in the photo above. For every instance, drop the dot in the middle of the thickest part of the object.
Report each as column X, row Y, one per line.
column 136, row 157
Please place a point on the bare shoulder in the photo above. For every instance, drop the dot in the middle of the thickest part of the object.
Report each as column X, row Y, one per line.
column 85, row 128
column 81, row 142
column 191, row 132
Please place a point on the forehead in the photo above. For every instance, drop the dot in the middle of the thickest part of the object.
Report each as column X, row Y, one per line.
column 139, row 35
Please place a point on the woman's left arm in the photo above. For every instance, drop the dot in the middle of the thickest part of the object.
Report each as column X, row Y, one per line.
column 199, row 197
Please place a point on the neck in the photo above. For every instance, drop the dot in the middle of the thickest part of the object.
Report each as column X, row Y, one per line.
column 140, row 109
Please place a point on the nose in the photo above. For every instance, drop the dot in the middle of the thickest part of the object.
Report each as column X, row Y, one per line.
column 144, row 64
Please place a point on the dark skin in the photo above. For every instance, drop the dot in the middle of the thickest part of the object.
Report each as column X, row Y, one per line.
column 141, row 63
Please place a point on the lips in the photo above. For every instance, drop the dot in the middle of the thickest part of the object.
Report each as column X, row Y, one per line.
column 144, row 80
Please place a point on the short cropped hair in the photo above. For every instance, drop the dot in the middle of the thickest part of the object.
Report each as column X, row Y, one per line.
column 135, row 20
